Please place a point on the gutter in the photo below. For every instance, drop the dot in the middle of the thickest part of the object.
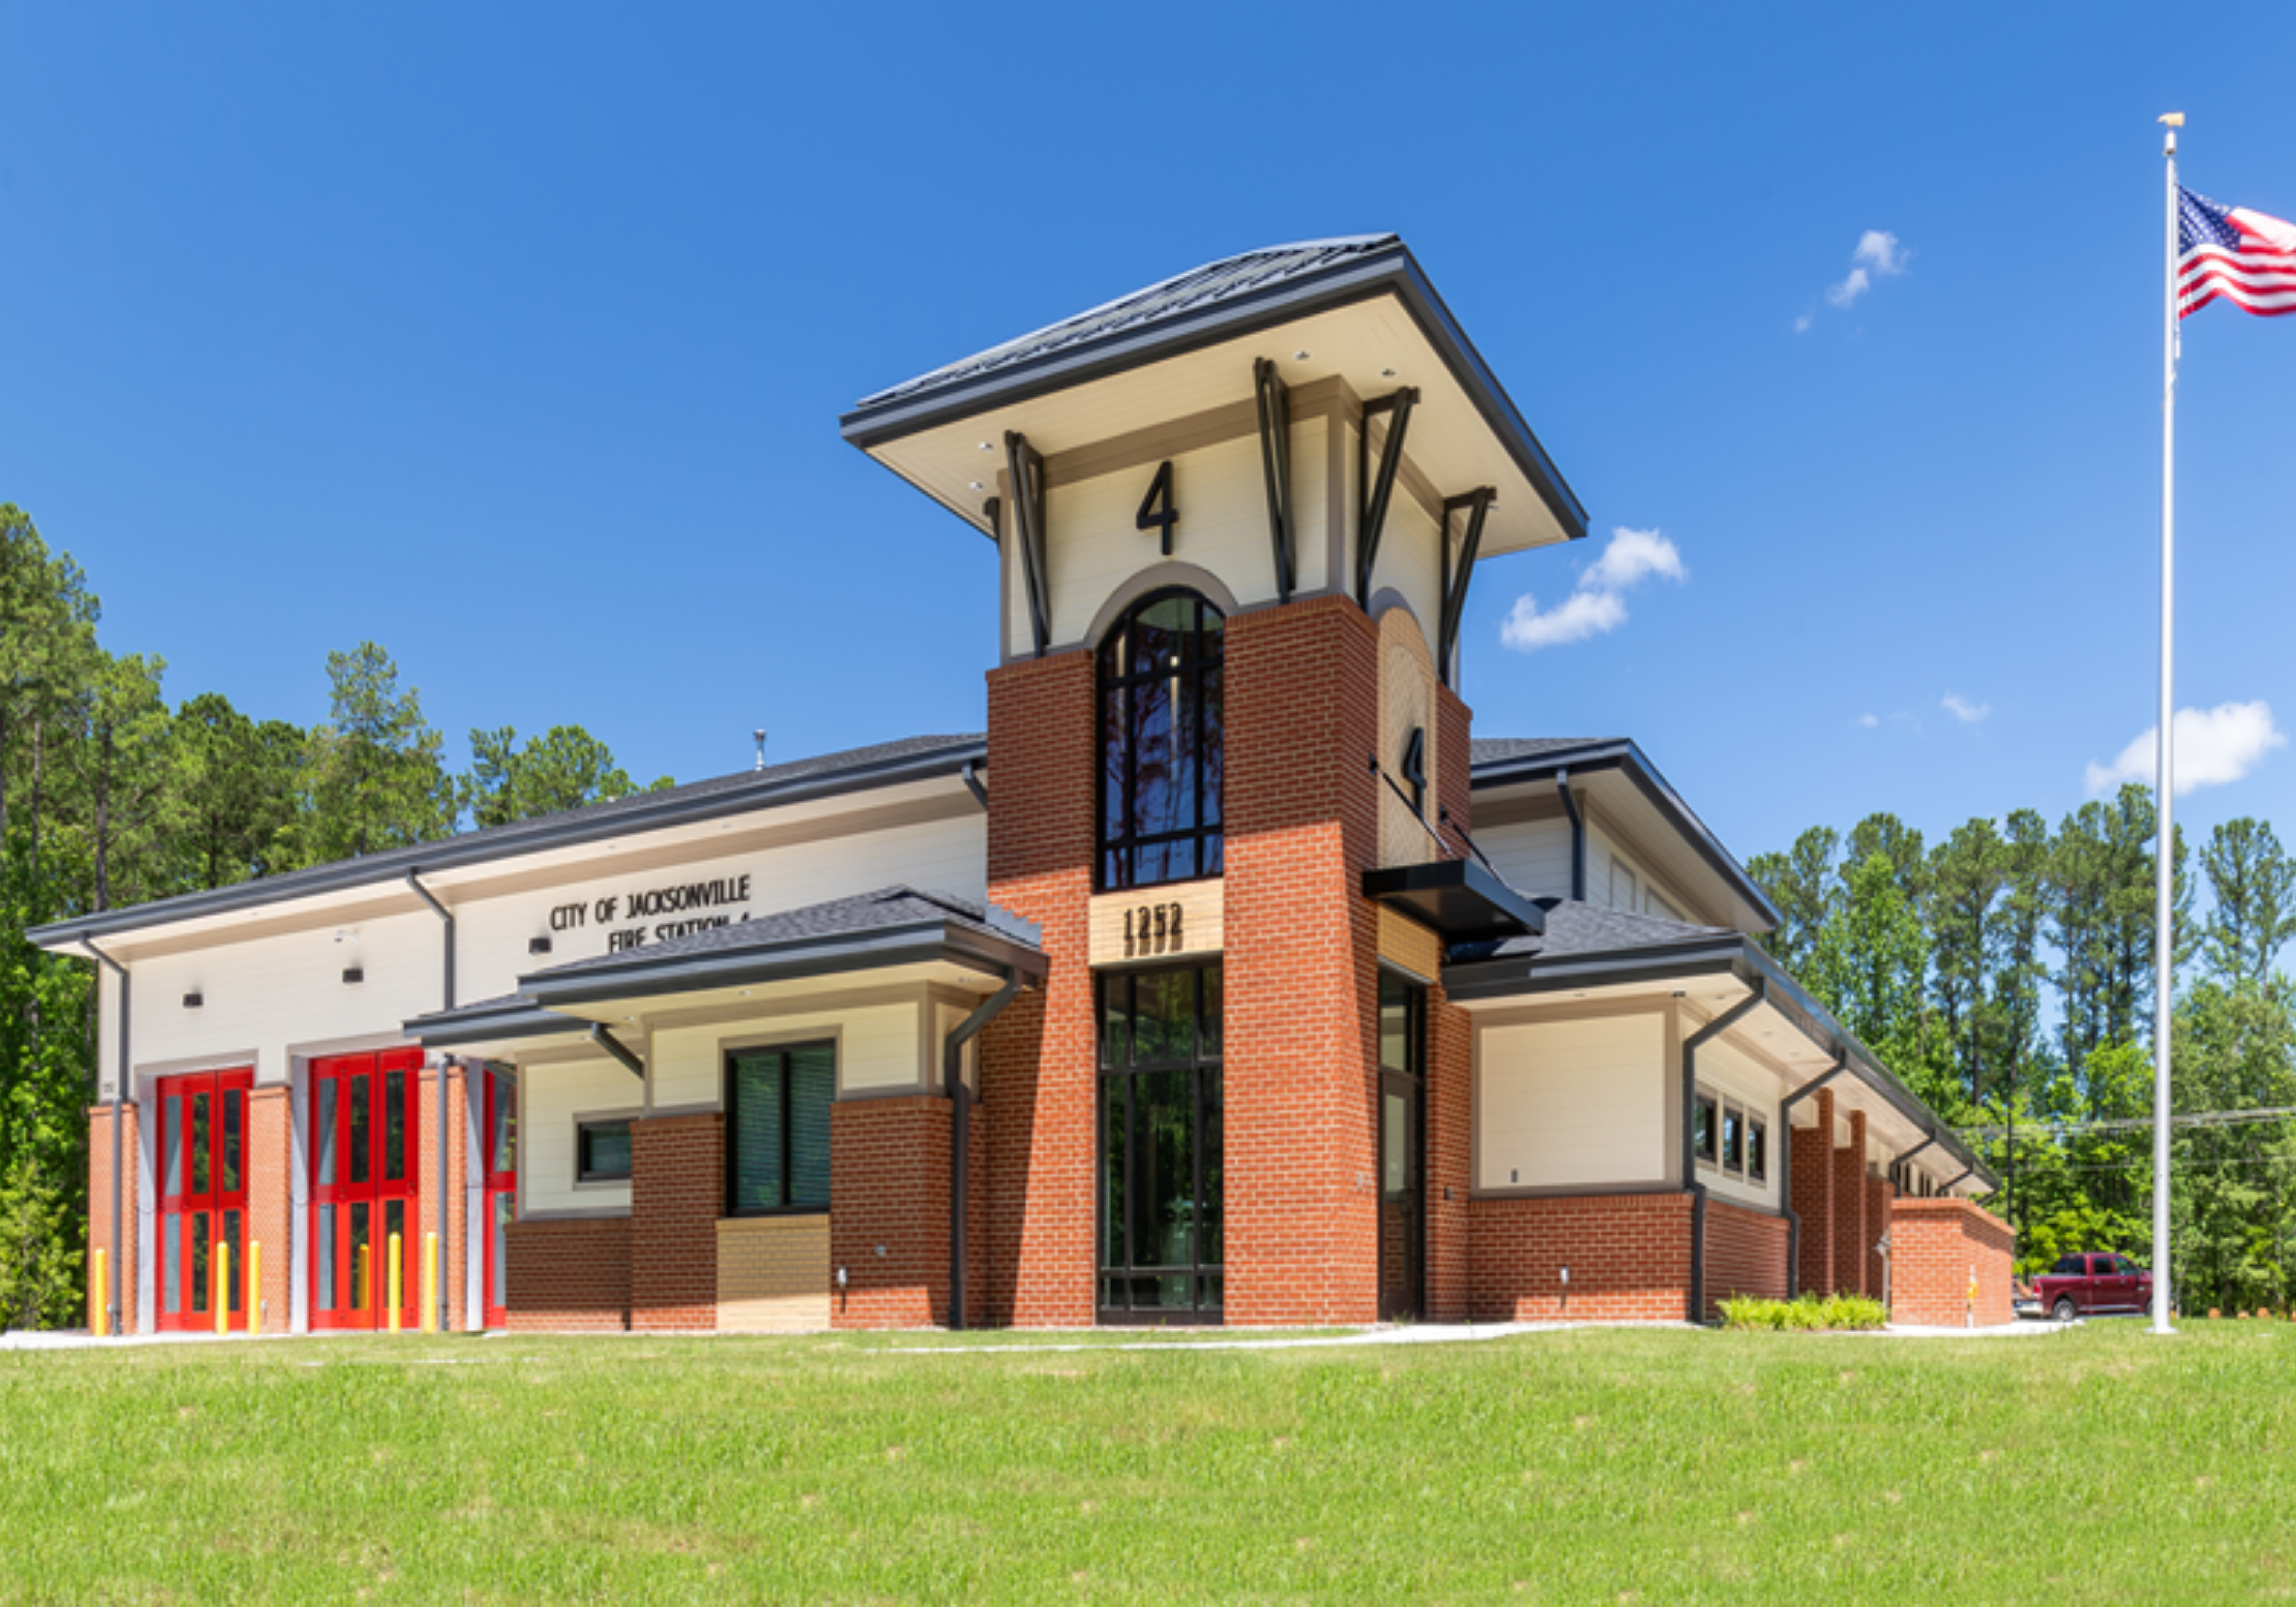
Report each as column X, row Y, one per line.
column 447, row 916
column 120, row 1103
column 1713, row 1029
column 960, row 1135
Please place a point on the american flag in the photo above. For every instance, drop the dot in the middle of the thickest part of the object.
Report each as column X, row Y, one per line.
column 2248, row 259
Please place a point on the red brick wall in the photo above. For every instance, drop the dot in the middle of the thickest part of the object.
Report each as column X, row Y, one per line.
column 677, row 1193
column 99, row 1213
column 1850, row 1237
column 1934, row 1245
column 1302, row 1058
column 1879, row 1192
column 1813, row 1194
column 1745, row 1254
column 1031, row 1239
column 270, row 1199
column 568, row 1276
column 888, row 1189
column 1628, row 1255
column 1450, row 1115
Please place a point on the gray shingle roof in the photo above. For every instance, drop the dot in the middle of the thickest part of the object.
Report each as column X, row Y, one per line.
column 1576, row 930
column 1498, row 749
column 886, row 909
column 1216, row 283
column 639, row 811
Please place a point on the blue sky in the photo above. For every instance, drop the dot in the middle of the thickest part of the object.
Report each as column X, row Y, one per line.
column 515, row 339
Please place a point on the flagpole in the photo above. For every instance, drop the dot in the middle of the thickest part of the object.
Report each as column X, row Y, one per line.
column 2164, row 954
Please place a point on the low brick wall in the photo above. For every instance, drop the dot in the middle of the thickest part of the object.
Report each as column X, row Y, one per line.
column 677, row 1191
column 772, row 1274
column 888, row 1194
column 1935, row 1245
column 568, row 1276
column 1745, row 1254
column 1628, row 1255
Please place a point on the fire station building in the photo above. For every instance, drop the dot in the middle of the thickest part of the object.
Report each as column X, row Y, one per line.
column 1229, row 978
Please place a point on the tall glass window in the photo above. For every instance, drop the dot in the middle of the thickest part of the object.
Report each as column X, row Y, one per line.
column 1160, row 743
column 1160, row 1132
column 778, row 1129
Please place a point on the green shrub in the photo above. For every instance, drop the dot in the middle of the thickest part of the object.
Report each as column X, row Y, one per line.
column 1808, row 1315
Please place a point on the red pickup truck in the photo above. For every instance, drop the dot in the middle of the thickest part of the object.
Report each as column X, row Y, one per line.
column 2088, row 1285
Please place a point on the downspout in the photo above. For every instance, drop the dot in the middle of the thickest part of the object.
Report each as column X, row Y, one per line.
column 414, row 881
column 960, row 1133
column 1713, row 1029
column 1785, row 1176
column 119, row 1103
column 1578, row 836
column 971, row 775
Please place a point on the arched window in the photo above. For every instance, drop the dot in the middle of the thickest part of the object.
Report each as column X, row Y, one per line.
column 1160, row 743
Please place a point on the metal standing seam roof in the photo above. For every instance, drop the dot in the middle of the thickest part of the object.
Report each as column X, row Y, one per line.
column 1230, row 279
column 914, row 758
column 1218, row 301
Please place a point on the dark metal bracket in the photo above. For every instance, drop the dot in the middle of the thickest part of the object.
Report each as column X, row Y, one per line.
column 1378, row 491
column 1457, row 577
column 1274, row 398
column 1025, row 466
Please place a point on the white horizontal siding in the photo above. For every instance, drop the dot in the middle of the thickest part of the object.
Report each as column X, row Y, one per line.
column 1532, row 857
column 877, row 1048
column 553, row 1098
column 1572, row 1103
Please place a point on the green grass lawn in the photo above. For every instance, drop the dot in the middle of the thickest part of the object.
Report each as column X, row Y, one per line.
column 1603, row 1465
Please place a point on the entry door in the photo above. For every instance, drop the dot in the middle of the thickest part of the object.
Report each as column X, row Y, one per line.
column 1402, row 1175
column 202, row 1198
column 501, row 1205
column 365, row 1188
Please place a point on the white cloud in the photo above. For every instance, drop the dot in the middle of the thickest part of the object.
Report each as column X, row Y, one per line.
column 1869, row 720
column 1597, row 604
column 2214, row 746
column 1878, row 253
column 1801, row 324
column 1962, row 710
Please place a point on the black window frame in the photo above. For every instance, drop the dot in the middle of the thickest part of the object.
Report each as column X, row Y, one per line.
column 731, row 1101
column 1117, row 858
column 1758, row 1149
column 1117, row 1061
column 1709, row 1153
column 583, row 1131
column 1733, row 1138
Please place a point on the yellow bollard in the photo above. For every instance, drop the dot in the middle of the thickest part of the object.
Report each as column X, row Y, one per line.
column 223, row 1288
column 103, row 1307
column 255, row 1285
column 393, row 1280
column 429, row 1315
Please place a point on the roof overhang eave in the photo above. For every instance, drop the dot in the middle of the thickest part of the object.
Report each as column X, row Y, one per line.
column 1628, row 758
column 923, row 944
column 390, row 869
column 448, row 1028
column 1389, row 271
column 1525, row 976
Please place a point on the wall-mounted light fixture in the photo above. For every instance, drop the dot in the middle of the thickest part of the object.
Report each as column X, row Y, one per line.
column 354, row 973
column 194, row 999
column 537, row 945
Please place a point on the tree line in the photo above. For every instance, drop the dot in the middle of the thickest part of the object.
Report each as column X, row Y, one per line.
column 2006, row 974
column 111, row 795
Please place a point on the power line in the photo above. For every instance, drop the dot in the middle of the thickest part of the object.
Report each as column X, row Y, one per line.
column 2130, row 1124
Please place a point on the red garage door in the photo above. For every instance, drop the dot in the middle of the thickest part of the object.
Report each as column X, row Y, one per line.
column 363, row 1184
column 203, row 1198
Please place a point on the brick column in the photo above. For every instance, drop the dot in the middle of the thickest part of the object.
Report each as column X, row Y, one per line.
column 1878, row 1196
column 568, row 1276
column 889, row 1212
column 1030, row 1238
column 1301, row 1061
column 1850, row 1237
column 677, row 1193
column 98, row 1214
column 1813, row 1194
column 270, row 1199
